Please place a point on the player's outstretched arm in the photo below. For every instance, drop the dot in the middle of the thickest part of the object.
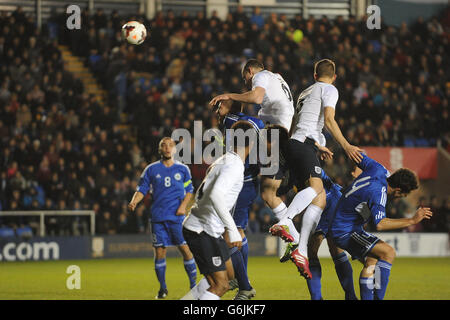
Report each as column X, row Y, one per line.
column 137, row 197
column 390, row 224
column 353, row 152
column 256, row 95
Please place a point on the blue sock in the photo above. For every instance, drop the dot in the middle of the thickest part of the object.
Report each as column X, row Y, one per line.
column 191, row 270
column 160, row 269
column 366, row 288
column 384, row 270
column 314, row 284
column 344, row 272
column 244, row 252
column 239, row 269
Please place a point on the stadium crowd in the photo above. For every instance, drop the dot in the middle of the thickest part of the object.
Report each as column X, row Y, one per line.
column 62, row 150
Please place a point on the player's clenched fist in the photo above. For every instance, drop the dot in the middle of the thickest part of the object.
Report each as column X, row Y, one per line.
column 422, row 213
column 181, row 211
column 132, row 206
column 237, row 244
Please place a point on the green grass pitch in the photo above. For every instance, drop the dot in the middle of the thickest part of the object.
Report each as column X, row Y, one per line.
column 411, row 279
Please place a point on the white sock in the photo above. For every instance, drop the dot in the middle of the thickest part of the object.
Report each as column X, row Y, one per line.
column 292, row 230
column 310, row 220
column 301, row 200
column 207, row 295
column 197, row 291
column 280, row 211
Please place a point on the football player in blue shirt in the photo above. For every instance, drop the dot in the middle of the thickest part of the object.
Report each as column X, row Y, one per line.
column 170, row 183
column 366, row 199
column 342, row 265
column 229, row 113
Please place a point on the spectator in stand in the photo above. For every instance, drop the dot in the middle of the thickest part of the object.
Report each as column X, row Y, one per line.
column 53, row 132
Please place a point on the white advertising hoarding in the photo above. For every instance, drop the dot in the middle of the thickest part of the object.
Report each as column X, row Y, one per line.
column 410, row 244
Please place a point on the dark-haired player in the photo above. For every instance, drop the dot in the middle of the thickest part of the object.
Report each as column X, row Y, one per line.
column 170, row 183
column 315, row 108
column 366, row 198
column 272, row 93
column 229, row 113
column 209, row 229
column 342, row 265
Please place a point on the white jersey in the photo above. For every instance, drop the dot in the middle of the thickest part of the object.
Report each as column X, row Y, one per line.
column 215, row 198
column 277, row 106
column 310, row 111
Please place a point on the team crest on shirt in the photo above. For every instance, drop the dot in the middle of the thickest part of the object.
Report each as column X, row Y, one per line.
column 177, row 176
column 217, row 261
column 318, row 169
column 158, row 176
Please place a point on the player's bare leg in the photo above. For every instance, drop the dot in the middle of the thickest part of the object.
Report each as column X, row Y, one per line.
column 230, row 270
column 314, row 245
column 269, row 187
column 160, row 252
column 185, row 252
column 203, row 285
column 374, row 276
column 218, row 282
column 382, row 251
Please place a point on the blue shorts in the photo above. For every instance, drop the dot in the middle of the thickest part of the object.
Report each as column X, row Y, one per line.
column 244, row 203
column 357, row 243
column 167, row 234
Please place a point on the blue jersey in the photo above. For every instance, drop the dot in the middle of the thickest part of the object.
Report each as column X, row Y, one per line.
column 364, row 199
column 251, row 170
column 333, row 192
column 169, row 186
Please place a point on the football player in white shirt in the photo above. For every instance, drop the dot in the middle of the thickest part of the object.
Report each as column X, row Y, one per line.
column 273, row 94
column 210, row 218
column 315, row 108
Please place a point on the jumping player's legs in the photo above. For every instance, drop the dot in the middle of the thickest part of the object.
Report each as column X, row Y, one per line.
column 312, row 214
column 305, row 169
column 269, row 187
